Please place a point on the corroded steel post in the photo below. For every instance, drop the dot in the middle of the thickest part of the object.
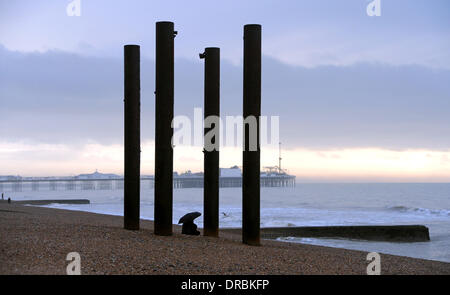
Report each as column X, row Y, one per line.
column 132, row 136
column 251, row 153
column 211, row 142
column 164, row 92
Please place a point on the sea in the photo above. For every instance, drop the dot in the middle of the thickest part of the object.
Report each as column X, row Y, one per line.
column 306, row 204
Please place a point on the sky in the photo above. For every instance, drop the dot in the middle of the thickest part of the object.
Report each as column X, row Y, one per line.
column 359, row 98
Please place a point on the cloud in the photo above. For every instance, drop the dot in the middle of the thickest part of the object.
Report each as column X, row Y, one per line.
column 59, row 97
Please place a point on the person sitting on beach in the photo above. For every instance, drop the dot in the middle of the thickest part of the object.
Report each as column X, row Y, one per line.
column 190, row 228
column 9, row 200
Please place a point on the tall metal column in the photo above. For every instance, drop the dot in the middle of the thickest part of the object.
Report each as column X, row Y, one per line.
column 251, row 159
column 211, row 145
column 132, row 136
column 165, row 35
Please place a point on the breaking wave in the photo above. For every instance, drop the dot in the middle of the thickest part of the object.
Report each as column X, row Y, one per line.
column 424, row 211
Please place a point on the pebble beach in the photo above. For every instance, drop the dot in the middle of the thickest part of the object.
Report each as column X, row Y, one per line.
column 36, row 240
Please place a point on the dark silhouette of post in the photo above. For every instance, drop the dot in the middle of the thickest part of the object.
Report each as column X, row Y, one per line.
column 251, row 153
column 211, row 142
column 132, row 136
column 164, row 92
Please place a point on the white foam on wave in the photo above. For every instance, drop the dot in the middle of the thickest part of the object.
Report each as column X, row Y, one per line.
column 424, row 211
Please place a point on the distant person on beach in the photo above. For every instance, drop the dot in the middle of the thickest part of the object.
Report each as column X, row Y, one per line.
column 9, row 200
column 2, row 196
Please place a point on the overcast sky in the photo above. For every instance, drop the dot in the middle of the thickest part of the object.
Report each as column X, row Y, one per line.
column 340, row 80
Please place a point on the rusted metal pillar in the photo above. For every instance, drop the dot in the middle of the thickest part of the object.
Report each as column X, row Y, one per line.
column 132, row 136
column 251, row 153
column 211, row 142
column 164, row 93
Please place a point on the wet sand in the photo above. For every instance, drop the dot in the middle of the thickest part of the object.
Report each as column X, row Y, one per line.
column 37, row 240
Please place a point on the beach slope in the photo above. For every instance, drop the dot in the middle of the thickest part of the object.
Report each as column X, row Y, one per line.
column 35, row 240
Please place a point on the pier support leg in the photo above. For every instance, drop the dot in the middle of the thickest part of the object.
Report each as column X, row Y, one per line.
column 211, row 142
column 251, row 158
column 132, row 137
column 164, row 92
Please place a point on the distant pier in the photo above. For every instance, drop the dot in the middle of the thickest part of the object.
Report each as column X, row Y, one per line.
column 281, row 180
column 179, row 181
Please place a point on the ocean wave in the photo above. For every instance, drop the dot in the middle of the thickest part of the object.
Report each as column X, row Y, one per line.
column 424, row 211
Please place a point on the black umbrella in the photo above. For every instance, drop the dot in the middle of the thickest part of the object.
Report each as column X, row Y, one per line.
column 189, row 217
